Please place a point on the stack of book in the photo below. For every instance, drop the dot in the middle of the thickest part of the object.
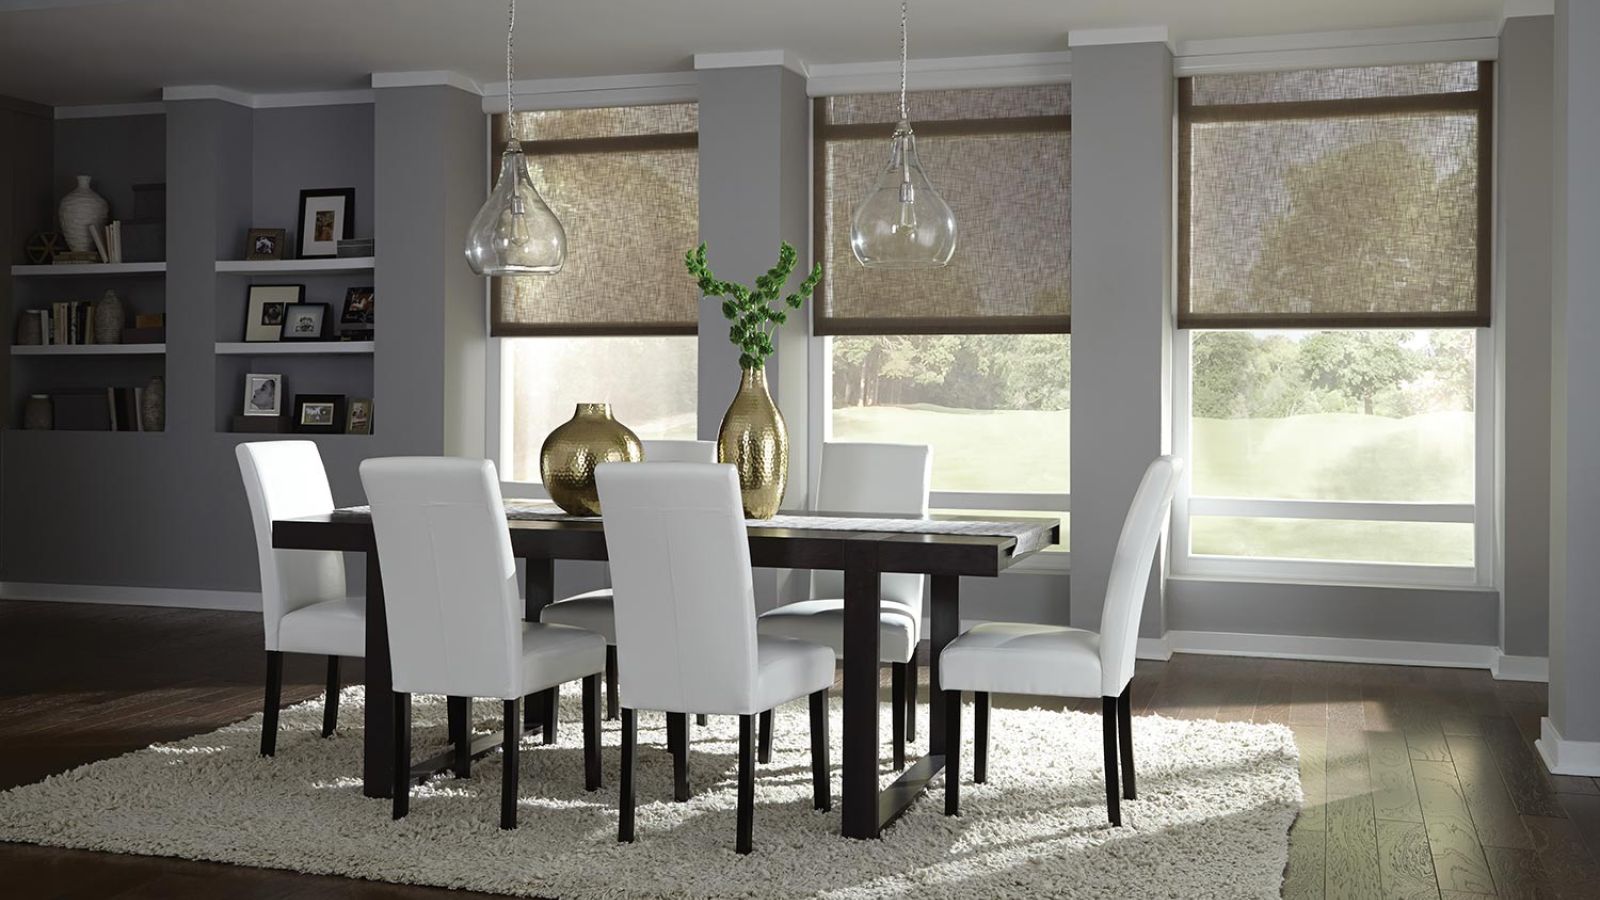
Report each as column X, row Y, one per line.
column 66, row 322
column 108, row 241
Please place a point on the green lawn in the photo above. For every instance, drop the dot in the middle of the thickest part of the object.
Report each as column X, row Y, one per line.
column 973, row 450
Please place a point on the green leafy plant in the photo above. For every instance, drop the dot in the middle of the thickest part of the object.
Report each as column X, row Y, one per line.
column 756, row 312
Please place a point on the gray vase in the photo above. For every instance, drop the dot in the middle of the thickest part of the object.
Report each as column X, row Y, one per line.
column 80, row 210
column 109, row 317
column 153, row 409
column 38, row 414
column 29, row 332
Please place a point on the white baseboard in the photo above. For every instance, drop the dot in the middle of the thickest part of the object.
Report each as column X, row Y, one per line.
column 1520, row 668
column 1332, row 649
column 1564, row 757
column 183, row 598
column 1154, row 648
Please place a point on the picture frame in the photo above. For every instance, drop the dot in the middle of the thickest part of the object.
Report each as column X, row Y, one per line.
column 326, row 215
column 303, row 322
column 319, row 413
column 359, row 418
column 265, row 243
column 265, row 305
column 358, row 306
column 263, row 394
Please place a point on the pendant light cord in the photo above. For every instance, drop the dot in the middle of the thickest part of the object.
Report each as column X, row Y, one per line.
column 902, row 60
column 511, row 31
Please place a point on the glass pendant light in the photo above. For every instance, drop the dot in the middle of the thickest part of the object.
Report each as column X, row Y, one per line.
column 515, row 233
column 903, row 223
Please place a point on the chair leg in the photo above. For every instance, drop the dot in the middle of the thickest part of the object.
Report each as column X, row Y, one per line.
column 511, row 764
column 459, row 712
column 821, row 790
column 897, row 712
column 330, row 700
column 980, row 737
column 402, row 754
column 625, row 801
column 678, row 745
column 591, row 733
column 702, row 719
column 912, row 677
column 269, row 705
column 766, row 737
column 551, row 710
column 1125, row 741
column 747, row 783
column 952, row 753
column 1108, row 721
column 611, row 683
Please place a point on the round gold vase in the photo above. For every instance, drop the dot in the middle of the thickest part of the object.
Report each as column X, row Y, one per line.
column 570, row 453
column 754, row 439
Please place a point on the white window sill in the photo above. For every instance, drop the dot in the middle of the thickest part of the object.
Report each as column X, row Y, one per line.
column 1310, row 581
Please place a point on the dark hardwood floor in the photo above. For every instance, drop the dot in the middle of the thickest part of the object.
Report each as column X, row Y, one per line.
column 1419, row 782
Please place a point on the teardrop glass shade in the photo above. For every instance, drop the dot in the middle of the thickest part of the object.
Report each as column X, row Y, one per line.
column 515, row 233
column 903, row 223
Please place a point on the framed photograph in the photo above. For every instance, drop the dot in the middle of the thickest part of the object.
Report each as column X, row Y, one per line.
column 305, row 322
column 360, row 419
column 326, row 215
column 318, row 413
column 264, row 243
column 263, row 395
column 265, row 309
column 357, row 307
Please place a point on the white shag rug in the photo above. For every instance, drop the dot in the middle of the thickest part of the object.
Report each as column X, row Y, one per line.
column 1215, row 804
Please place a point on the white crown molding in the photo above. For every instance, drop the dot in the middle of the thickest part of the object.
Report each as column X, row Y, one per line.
column 944, row 73
column 745, row 59
column 1566, row 757
column 1520, row 668
column 595, row 91
column 1516, row 8
column 1329, row 49
column 252, row 101
column 208, row 92
column 1140, row 34
column 182, row 598
column 107, row 110
column 431, row 78
column 313, row 98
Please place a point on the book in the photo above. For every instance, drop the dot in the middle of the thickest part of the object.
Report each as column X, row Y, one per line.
column 99, row 243
column 150, row 320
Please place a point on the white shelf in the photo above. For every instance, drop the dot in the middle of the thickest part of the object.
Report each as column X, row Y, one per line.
column 296, row 266
column 88, row 349
column 294, row 348
column 81, row 269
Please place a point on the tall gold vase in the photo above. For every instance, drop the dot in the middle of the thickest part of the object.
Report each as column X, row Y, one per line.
column 754, row 439
column 570, row 453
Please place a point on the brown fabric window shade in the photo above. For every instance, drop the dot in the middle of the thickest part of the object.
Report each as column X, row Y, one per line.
column 1335, row 198
column 625, row 183
column 1002, row 159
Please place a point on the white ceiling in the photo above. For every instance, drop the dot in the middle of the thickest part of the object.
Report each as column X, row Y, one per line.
column 68, row 52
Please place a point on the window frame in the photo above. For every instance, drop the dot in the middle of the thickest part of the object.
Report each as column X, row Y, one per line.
column 1480, row 512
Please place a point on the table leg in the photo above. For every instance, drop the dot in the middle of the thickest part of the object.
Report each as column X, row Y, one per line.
column 860, row 782
column 541, row 592
column 377, row 762
column 945, row 612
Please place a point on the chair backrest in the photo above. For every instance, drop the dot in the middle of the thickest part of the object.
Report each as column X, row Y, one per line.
column 874, row 478
column 684, row 595
column 286, row 480
column 1130, row 572
column 449, row 579
column 680, row 451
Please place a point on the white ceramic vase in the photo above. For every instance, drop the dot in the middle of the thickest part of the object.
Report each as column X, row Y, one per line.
column 80, row 210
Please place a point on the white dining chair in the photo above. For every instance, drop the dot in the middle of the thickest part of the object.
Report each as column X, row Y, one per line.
column 454, row 614
column 1049, row 660
column 305, row 605
column 593, row 609
column 866, row 478
column 686, row 630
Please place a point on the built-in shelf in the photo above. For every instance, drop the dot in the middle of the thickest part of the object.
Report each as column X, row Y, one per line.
column 81, row 269
column 88, row 349
column 296, row 266
column 295, row 348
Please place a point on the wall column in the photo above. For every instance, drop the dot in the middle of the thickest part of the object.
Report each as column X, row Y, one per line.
column 1122, row 204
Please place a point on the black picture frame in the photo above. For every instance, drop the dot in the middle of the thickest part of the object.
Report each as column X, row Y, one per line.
column 327, row 412
column 314, row 246
column 360, row 303
column 294, row 331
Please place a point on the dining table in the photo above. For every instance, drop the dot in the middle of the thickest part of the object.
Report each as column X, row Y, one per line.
column 945, row 548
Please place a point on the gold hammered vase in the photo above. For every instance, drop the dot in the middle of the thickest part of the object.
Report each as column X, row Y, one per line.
column 570, row 453
column 754, row 439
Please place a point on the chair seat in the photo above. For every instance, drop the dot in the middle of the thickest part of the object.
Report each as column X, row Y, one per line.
column 331, row 628
column 556, row 654
column 1018, row 658
column 785, row 670
column 822, row 622
column 593, row 611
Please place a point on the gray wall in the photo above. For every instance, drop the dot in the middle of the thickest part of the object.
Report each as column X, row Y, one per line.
column 1522, row 330
column 308, row 147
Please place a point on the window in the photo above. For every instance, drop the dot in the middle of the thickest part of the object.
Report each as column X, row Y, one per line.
column 973, row 359
column 1333, row 273
column 617, row 323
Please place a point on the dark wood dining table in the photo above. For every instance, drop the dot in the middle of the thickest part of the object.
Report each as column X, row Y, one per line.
column 863, row 557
